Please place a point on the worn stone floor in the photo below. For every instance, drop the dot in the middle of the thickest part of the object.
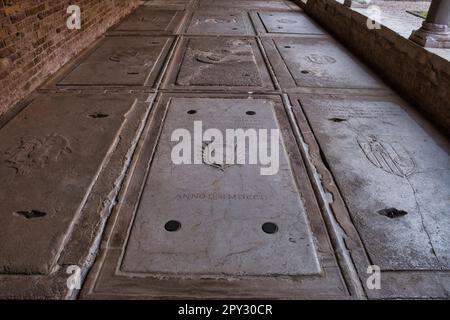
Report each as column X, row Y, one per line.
column 92, row 207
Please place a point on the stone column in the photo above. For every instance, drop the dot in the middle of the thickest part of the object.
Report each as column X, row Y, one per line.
column 435, row 30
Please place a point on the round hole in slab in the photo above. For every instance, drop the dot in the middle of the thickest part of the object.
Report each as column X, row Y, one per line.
column 172, row 226
column 192, row 112
column 250, row 113
column 270, row 228
column 305, row 71
column 32, row 214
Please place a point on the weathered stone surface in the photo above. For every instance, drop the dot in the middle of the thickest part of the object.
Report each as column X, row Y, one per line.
column 218, row 63
column 394, row 177
column 207, row 22
column 288, row 22
column 121, row 61
column 221, row 238
column 223, row 212
column 50, row 155
column 148, row 19
column 245, row 4
column 317, row 62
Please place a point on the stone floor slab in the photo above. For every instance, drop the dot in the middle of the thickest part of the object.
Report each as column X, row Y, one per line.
column 147, row 19
column 317, row 62
column 225, row 63
column 52, row 155
column 118, row 61
column 88, row 180
column 285, row 23
column 224, row 23
column 394, row 178
column 221, row 236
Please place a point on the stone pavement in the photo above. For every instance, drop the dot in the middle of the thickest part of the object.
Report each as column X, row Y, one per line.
column 91, row 198
column 395, row 16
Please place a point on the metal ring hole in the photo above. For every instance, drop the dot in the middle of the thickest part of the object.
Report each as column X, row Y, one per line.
column 172, row 226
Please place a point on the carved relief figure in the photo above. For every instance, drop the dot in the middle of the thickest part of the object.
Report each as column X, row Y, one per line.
column 230, row 20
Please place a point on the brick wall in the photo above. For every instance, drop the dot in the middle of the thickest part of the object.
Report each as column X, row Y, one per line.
column 421, row 76
column 35, row 41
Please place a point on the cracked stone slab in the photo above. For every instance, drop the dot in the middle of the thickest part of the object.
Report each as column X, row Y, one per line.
column 60, row 159
column 317, row 62
column 395, row 178
column 147, row 19
column 224, row 23
column 118, row 61
column 221, row 217
column 224, row 63
column 285, row 23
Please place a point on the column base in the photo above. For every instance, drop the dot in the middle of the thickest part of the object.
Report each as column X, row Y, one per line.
column 432, row 35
